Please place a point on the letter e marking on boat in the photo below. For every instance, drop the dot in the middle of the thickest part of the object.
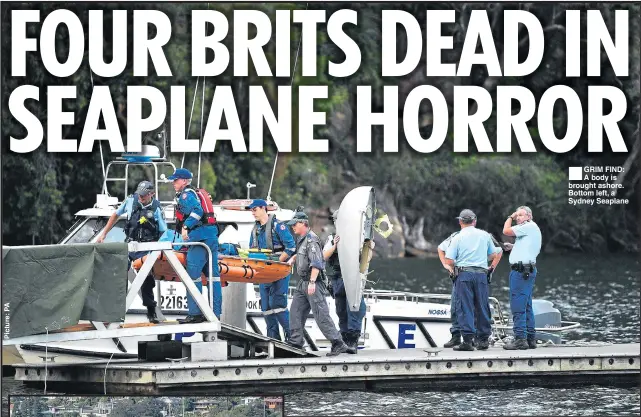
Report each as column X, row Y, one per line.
column 406, row 334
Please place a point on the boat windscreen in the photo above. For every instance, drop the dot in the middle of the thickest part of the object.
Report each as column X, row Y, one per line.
column 93, row 226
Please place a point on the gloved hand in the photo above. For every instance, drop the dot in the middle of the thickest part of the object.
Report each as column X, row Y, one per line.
column 330, row 287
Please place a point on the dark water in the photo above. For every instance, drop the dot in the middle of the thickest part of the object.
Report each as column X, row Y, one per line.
column 602, row 293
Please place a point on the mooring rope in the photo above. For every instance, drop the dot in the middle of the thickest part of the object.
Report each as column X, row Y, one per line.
column 104, row 378
column 46, row 357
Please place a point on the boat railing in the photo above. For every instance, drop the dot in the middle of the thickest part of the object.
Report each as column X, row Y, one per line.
column 156, row 163
column 376, row 295
column 561, row 327
column 373, row 295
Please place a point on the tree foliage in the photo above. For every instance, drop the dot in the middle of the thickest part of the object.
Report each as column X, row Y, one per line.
column 138, row 406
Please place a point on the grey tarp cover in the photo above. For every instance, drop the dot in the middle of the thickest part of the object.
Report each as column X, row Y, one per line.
column 54, row 286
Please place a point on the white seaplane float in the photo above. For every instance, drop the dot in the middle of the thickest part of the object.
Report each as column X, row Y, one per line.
column 394, row 319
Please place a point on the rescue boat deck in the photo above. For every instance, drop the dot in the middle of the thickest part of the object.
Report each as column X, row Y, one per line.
column 616, row 364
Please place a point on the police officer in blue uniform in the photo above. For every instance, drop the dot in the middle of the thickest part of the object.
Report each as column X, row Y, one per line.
column 455, row 330
column 469, row 251
column 523, row 264
column 189, row 214
column 269, row 233
column 145, row 223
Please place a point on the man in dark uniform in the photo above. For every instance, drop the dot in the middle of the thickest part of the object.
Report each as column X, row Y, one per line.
column 145, row 223
column 311, row 292
column 350, row 322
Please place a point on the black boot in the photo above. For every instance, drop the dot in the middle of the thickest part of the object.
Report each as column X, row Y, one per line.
column 198, row 318
column 454, row 341
column 482, row 344
column 338, row 347
column 467, row 345
column 151, row 315
column 352, row 340
column 531, row 342
column 516, row 344
column 350, row 349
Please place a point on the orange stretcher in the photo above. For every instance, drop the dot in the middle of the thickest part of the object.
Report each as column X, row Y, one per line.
column 232, row 269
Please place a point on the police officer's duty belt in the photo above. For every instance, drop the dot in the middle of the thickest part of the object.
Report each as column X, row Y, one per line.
column 521, row 267
column 473, row 269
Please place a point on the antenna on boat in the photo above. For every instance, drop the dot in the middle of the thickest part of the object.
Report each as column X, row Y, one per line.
column 202, row 117
column 164, row 140
column 102, row 159
column 202, row 121
column 182, row 163
column 291, row 84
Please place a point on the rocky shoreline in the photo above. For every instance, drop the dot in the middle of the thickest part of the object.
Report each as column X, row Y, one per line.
column 405, row 241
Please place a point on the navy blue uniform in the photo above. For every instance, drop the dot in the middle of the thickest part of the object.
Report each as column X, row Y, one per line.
column 350, row 322
column 137, row 214
column 273, row 297
column 197, row 257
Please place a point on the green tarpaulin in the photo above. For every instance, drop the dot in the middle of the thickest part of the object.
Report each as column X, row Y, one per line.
column 55, row 286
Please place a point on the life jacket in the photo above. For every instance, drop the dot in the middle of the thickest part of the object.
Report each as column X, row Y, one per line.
column 208, row 217
column 333, row 265
column 142, row 225
column 270, row 230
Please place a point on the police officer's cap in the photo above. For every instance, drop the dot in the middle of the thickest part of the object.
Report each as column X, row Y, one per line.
column 467, row 215
column 181, row 173
column 256, row 203
column 299, row 216
column 145, row 188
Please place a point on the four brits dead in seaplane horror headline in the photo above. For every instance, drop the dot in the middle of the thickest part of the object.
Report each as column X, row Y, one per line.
column 472, row 105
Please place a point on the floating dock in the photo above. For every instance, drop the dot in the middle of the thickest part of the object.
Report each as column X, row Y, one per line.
column 616, row 364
